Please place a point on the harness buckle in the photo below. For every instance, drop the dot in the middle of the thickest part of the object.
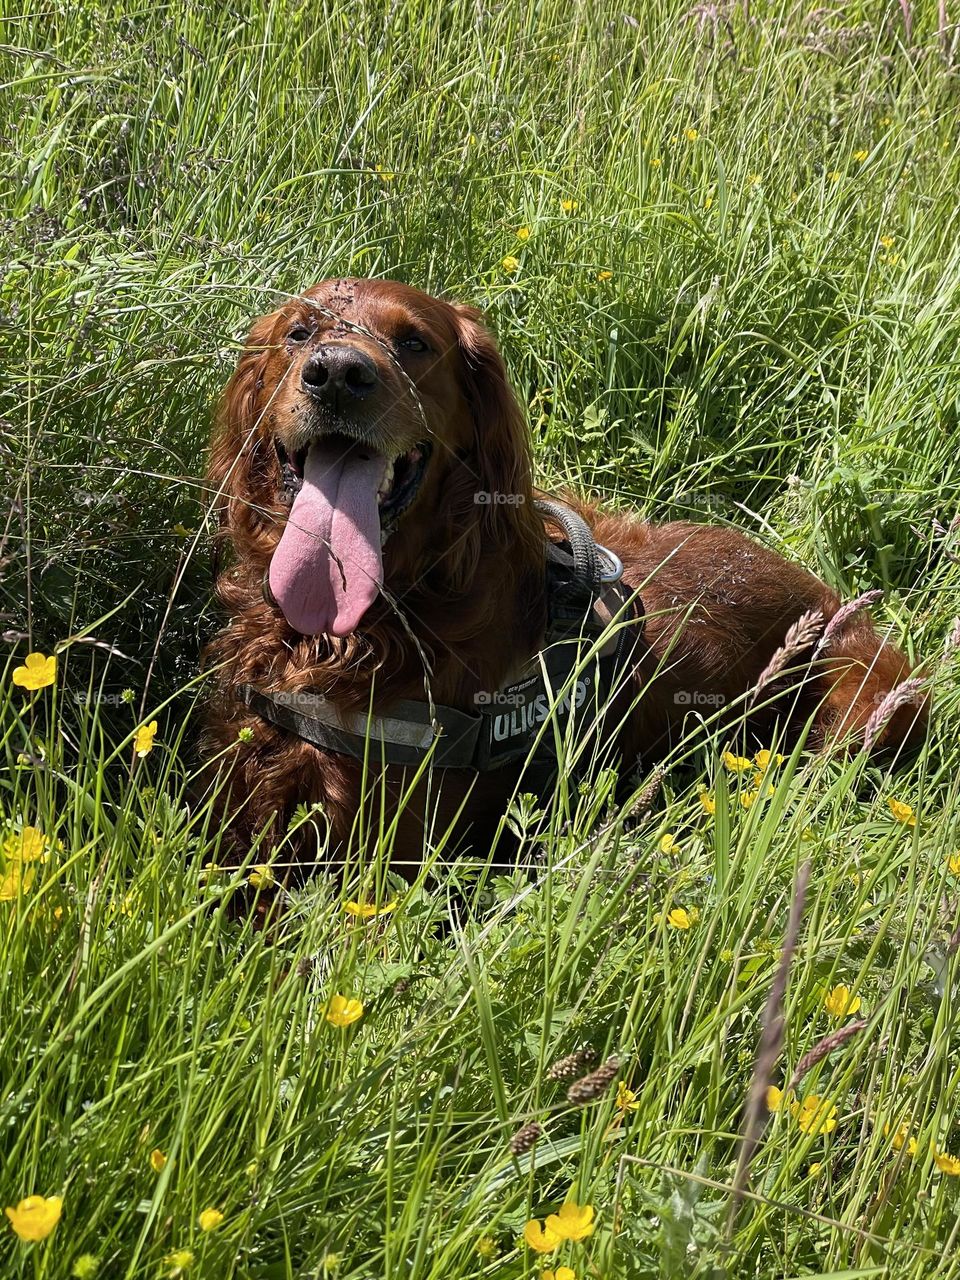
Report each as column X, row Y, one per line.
column 614, row 570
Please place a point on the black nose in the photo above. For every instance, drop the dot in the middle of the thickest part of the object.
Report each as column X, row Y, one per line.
column 339, row 374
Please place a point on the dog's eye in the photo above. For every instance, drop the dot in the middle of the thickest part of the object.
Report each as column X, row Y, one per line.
column 413, row 343
column 299, row 334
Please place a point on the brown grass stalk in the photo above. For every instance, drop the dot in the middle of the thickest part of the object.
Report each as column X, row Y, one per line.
column 772, row 1028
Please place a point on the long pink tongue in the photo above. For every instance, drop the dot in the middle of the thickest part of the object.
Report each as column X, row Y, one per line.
column 327, row 569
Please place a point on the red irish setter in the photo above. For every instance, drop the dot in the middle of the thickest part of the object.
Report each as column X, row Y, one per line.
column 372, row 479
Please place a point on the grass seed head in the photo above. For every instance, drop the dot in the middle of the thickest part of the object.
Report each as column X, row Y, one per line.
column 595, row 1085
column 902, row 695
column 573, row 1065
column 648, row 796
column 844, row 614
column 800, row 636
column 525, row 1138
column 823, row 1048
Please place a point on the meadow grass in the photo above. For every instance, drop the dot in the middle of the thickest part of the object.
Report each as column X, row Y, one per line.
column 720, row 250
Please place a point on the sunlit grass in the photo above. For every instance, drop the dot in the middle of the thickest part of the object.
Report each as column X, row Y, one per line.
column 721, row 257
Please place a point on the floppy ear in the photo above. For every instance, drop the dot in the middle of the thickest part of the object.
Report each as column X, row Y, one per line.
column 240, row 470
column 500, row 457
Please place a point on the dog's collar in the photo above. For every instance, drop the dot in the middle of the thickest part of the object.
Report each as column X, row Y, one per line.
column 571, row 676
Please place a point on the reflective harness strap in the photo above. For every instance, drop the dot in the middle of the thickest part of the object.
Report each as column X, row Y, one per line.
column 557, row 682
column 406, row 736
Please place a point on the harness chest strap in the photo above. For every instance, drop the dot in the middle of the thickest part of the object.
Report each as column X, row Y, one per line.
column 498, row 734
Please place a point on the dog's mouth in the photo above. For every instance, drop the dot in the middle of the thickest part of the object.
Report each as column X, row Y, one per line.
column 345, row 501
column 400, row 484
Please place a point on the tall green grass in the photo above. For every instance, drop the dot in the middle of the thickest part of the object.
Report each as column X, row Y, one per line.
column 736, row 301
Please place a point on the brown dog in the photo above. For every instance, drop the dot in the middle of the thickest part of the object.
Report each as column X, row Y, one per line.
column 372, row 478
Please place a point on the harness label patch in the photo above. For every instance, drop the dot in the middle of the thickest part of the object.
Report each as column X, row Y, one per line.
column 531, row 707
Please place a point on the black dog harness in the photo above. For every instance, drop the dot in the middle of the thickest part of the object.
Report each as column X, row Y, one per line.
column 586, row 600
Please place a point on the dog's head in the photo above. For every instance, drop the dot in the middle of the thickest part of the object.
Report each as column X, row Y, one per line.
column 368, row 431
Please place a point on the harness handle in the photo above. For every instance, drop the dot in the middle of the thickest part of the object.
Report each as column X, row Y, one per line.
column 586, row 559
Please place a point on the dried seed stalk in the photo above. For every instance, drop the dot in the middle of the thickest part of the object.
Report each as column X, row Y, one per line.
column 771, row 1042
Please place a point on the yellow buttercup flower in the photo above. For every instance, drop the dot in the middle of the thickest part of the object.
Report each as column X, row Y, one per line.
column 35, row 1217
column 510, row 263
column 691, row 135
column 602, row 276
column 774, row 1098
column 656, row 162
column 365, row 910
column 572, row 1221
column 15, row 880
column 815, row 1169
column 900, row 1138
column 887, row 241
column 523, row 233
column 568, row 206
column 27, row 845
column 539, row 1237
column 362, row 909
column 210, row 1219
column 179, row 1261
column 626, row 1099
column 342, row 1011
column 735, row 763
column 946, row 1163
column 860, row 156
column 23, row 847
column 748, row 798
column 679, row 918
column 386, row 174
column 707, row 803
column 834, row 175
column 815, row 1114
column 753, row 179
column 668, row 843
column 839, row 1003
column 953, row 862
column 902, row 811
column 763, row 759
column 262, row 877
column 561, row 1273
column 143, row 739
column 708, row 202
column 158, row 1161
column 37, row 671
